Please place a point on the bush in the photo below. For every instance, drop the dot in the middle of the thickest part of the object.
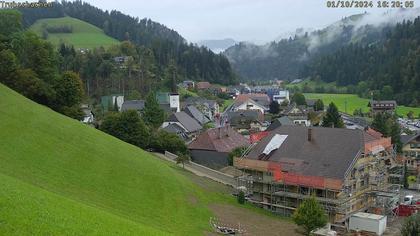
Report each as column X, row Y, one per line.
column 162, row 141
column 128, row 127
column 310, row 215
column 411, row 226
column 237, row 152
column 241, row 197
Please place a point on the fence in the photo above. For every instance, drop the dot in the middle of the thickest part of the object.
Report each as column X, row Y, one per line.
column 287, row 177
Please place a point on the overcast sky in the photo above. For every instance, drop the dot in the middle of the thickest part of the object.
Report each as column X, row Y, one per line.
column 243, row 20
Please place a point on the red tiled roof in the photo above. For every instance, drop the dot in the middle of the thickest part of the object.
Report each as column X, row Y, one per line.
column 373, row 134
column 254, row 96
column 203, row 85
column 223, row 139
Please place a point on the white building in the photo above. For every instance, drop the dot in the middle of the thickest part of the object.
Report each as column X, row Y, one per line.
column 281, row 96
column 174, row 102
column 250, row 104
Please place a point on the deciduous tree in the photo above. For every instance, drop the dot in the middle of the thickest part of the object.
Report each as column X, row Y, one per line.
column 310, row 215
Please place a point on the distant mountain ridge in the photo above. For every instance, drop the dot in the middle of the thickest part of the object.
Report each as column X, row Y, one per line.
column 285, row 58
column 217, row 45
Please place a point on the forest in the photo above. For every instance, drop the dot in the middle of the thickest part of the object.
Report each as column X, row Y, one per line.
column 388, row 69
column 30, row 66
column 285, row 59
column 164, row 46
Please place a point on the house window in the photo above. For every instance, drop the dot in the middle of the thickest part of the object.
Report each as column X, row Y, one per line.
column 413, row 145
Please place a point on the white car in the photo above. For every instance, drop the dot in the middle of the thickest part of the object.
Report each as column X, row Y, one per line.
column 408, row 200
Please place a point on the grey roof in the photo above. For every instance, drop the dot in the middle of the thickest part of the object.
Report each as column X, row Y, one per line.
column 197, row 115
column 329, row 154
column 249, row 114
column 176, row 129
column 284, row 120
column 408, row 138
column 311, row 102
column 243, row 118
column 223, row 139
column 166, row 107
column 199, row 101
column 137, row 105
column 187, row 121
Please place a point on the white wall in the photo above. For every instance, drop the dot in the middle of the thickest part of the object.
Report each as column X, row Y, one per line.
column 367, row 224
column 249, row 105
column 120, row 101
column 174, row 102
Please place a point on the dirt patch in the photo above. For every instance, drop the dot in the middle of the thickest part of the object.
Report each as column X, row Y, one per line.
column 252, row 222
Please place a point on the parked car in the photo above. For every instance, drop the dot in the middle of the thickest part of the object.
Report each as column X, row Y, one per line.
column 408, row 200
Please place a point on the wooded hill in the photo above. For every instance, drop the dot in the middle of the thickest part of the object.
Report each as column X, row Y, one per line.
column 167, row 45
column 390, row 68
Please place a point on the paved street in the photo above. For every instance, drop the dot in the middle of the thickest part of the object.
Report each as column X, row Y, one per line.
column 203, row 171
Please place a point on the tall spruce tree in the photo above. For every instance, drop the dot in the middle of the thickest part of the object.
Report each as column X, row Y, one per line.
column 332, row 118
column 152, row 113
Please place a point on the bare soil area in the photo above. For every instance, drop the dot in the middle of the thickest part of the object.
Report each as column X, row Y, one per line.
column 252, row 222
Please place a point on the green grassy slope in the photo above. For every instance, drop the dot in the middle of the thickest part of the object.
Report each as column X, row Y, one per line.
column 84, row 35
column 355, row 102
column 58, row 175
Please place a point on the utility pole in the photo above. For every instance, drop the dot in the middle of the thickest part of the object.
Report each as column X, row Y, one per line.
column 345, row 106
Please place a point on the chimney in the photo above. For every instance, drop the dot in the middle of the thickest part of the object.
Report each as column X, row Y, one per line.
column 309, row 134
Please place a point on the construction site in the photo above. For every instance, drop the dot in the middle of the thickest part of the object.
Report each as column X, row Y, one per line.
column 347, row 171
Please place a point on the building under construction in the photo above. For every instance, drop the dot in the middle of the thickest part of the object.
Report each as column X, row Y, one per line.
column 346, row 170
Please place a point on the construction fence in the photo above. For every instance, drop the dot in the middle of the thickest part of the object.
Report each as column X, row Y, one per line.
column 288, row 177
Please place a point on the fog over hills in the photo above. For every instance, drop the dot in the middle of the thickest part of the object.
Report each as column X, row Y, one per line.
column 217, row 45
column 284, row 56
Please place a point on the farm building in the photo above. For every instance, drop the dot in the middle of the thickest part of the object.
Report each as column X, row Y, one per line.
column 411, row 152
column 383, row 106
column 202, row 85
column 212, row 147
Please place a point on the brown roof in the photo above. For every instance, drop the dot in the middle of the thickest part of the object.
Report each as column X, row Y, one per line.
column 329, row 154
column 203, row 85
column 371, row 135
column 260, row 98
column 383, row 104
column 223, row 139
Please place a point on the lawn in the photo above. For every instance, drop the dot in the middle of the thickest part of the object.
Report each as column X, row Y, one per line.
column 84, row 35
column 183, row 91
column 349, row 102
column 58, row 175
column 226, row 104
column 61, row 177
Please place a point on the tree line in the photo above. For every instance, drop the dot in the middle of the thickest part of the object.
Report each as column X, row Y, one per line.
column 29, row 65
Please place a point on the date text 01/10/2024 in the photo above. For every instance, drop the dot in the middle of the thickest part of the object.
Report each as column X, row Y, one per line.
column 370, row 4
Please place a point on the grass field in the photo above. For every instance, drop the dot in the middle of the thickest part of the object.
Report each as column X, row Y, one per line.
column 58, row 175
column 349, row 102
column 61, row 177
column 226, row 104
column 84, row 35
